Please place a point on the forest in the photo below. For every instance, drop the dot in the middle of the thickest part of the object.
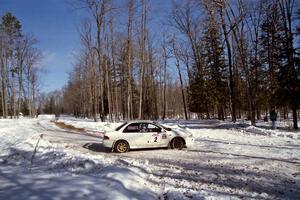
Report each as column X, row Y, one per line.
column 19, row 66
column 207, row 59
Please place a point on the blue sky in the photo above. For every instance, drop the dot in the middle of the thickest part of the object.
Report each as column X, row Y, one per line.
column 53, row 23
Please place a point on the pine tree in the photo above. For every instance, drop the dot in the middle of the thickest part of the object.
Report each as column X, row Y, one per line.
column 198, row 99
column 270, row 42
column 215, row 65
column 288, row 74
column 281, row 57
column 10, row 29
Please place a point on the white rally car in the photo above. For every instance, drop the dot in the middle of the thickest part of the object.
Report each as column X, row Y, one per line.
column 145, row 134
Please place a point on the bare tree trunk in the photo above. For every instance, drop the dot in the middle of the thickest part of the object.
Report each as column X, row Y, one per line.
column 13, row 95
column 240, row 40
column 186, row 60
column 94, row 89
column 153, row 91
column 143, row 44
column 33, row 89
column 230, row 66
column 165, row 91
column 295, row 122
column 108, row 83
column 286, row 9
column 29, row 91
column 107, row 78
column 115, row 96
column 99, row 14
column 177, row 63
column 165, row 61
column 20, row 78
column 129, row 61
column 3, row 88
column 22, row 49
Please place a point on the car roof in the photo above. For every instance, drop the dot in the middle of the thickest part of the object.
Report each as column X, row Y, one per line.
column 140, row 121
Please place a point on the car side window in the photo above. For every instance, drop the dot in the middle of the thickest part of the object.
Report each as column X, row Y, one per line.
column 143, row 128
column 132, row 128
column 153, row 128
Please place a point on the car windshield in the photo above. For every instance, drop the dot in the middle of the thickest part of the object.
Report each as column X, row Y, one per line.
column 166, row 128
column 119, row 127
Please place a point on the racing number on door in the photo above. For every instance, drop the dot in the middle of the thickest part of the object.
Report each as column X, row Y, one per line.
column 155, row 139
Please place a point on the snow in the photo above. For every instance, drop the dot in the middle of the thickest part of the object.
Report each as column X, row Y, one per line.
column 227, row 161
column 46, row 117
column 88, row 124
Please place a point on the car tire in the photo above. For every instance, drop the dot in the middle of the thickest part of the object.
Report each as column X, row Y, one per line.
column 121, row 146
column 177, row 143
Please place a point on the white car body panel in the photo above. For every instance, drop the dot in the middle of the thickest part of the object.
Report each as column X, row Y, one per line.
column 145, row 139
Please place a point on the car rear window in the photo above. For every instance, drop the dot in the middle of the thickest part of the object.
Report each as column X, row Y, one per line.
column 166, row 128
column 153, row 128
column 132, row 128
column 122, row 125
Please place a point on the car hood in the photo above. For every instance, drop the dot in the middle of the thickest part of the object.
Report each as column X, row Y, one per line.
column 180, row 131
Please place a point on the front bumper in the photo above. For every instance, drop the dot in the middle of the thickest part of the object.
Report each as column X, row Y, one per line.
column 189, row 141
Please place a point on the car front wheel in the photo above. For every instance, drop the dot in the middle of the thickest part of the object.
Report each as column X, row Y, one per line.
column 121, row 146
column 177, row 143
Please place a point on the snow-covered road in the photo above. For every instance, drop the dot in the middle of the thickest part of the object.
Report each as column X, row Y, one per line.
column 223, row 164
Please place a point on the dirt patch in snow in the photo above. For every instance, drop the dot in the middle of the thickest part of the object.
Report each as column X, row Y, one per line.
column 72, row 129
column 67, row 126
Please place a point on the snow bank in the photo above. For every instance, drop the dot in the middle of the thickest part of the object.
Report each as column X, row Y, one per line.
column 46, row 117
column 57, row 170
column 88, row 124
column 226, row 162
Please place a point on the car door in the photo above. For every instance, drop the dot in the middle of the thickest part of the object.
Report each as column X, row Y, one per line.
column 145, row 139
column 158, row 137
column 134, row 136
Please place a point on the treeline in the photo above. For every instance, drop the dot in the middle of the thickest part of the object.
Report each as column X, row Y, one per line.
column 210, row 59
column 246, row 60
column 18, row 68
column 120, row 73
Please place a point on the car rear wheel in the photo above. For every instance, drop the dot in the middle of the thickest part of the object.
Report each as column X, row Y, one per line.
column 177, row 143
column 121, row 146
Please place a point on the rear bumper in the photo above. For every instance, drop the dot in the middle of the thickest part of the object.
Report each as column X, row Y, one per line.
column 108, row 143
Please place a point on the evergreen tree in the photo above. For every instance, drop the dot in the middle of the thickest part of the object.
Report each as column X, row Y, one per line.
column 281, row 57
column 10, row 29
column 198, row 99
column 215, row 65
column 288, row 75
column 208, row 86
column 271, row 47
